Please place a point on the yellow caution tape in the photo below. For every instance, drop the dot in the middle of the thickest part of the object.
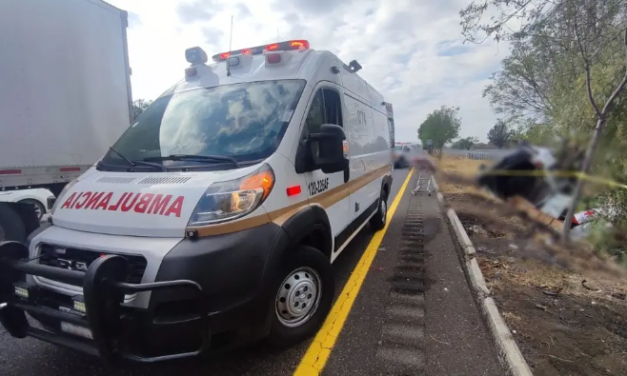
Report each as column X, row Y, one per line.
column 562, row 174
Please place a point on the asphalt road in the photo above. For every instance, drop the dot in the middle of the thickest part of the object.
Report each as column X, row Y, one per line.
column 30, row 357
column 415, row 313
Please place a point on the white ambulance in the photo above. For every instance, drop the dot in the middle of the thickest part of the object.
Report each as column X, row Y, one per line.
column 216, row 216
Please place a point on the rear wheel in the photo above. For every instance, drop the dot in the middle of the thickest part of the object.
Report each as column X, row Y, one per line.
column 11, row 225
column 304, row 297
column 40, row 209
column 377, row 222
column 401, row 162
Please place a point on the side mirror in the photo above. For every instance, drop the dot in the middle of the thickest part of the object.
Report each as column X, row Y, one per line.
column 326, row 149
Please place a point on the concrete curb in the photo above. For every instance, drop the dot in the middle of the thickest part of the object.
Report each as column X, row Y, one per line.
column 436, row 188
column 477, row 282
column 508, row 352
column 462, row 236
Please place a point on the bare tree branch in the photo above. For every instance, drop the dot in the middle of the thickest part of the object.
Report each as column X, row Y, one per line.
column 586, row 61
column 602, row 117
column 589, row 89
column 622, row 84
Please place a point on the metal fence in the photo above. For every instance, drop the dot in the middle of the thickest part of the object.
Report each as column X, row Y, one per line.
column 487, row 154
column 482, row 156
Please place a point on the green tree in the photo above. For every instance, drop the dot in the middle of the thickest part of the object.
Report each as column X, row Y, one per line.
column 465, row 143
column 441, row 126
column 139, row 105
column 500, row 135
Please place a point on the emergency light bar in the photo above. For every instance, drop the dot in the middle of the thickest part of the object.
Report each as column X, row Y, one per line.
column 195, row 55
column 289, row 45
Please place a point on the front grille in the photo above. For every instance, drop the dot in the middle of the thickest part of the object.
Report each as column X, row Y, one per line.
column 161, row 180
column 115, row 180
column 78, row 259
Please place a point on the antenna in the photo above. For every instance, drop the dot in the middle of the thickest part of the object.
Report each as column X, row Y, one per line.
column 277, row 35
column 228, row 66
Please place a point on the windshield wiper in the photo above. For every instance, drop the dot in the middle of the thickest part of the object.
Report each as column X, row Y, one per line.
column 195, row 158
column 135, row 163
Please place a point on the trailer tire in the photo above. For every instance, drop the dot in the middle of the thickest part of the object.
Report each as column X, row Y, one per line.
column 11, row 225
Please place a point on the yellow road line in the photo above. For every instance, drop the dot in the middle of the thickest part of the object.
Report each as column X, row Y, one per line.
column 317, row 354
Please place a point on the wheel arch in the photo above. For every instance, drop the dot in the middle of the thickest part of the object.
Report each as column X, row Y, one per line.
column 33, row 198
column 310, row 226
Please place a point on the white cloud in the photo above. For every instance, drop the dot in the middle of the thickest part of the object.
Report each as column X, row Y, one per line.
column 411, row 53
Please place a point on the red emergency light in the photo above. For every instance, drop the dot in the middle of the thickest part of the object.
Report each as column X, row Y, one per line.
column 289, row 45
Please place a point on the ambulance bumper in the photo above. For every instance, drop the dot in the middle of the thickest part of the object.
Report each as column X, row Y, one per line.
column 209, row 293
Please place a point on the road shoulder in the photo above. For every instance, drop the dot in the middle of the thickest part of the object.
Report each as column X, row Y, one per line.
column 415, row 313
column 457, row 339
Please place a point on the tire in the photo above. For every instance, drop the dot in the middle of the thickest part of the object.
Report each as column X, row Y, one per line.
column 303, row 270
column 11, row 225
column 401, row 163
column 40, row 209
column 377, row 222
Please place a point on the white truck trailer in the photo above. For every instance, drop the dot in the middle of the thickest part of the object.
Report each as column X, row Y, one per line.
column 65, row 96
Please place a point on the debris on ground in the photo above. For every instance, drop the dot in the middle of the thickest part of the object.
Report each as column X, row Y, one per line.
column 567, row 309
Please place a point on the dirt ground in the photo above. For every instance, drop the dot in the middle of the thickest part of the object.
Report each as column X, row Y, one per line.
column 568, row 318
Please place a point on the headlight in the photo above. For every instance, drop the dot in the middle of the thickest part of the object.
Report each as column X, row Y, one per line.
column 229, row 200
column 59, row 198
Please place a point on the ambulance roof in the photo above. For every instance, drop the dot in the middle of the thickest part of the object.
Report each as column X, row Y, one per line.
column 268, row 63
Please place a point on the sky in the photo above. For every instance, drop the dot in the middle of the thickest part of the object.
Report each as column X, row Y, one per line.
column 411, row 51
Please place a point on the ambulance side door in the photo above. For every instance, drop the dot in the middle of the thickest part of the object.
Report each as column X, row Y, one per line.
column 328, row 190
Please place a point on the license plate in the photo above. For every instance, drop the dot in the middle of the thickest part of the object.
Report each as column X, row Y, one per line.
column 76, row 330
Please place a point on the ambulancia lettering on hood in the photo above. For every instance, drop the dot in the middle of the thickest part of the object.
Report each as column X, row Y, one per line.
column 136, row 204
column 143, row 203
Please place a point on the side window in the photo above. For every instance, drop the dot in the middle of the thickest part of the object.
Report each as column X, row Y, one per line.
column 326, row 108
column 315, row 117
column 391, row 129
column 332, row 107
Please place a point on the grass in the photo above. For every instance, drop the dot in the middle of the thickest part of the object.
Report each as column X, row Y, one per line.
column 523, row 271
column 548, row 295
column 461, row 167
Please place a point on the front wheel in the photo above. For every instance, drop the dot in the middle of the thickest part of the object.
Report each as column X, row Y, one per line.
column 304, row 297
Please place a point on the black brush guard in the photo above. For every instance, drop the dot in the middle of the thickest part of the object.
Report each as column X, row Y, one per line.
column 103, row 294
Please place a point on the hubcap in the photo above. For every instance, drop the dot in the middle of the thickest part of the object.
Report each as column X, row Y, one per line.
column 298, row 297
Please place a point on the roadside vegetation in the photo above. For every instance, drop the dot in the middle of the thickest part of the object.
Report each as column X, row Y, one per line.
column 139, row 105
column 563, row 84
column 567, row 313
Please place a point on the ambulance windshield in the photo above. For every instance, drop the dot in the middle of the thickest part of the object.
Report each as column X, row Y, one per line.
column 244, row 121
